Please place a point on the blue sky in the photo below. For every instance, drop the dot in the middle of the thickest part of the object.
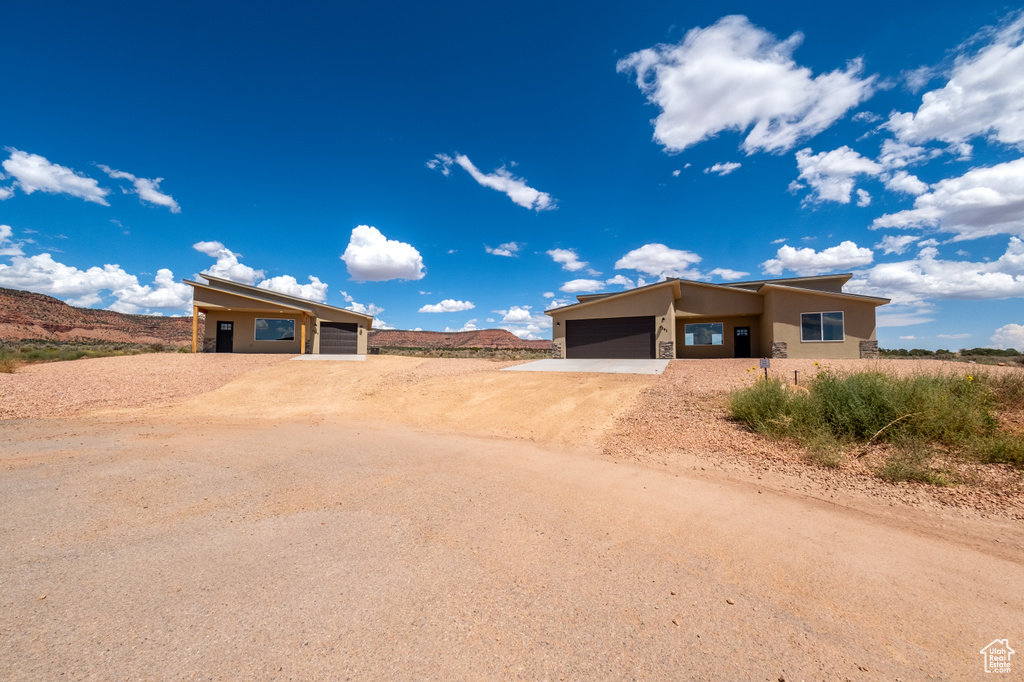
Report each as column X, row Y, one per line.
column 459, row 166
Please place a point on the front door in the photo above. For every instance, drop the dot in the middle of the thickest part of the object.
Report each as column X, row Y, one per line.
column 225, row 337
column 741, row 342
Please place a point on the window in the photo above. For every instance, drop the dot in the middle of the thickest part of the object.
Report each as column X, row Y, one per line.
column 272, row 329
column 822, row 326
column 705, row 334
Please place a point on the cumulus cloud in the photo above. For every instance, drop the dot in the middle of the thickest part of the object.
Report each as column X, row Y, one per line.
column 8, row 247
column 147, row 189
column 548, row 294
column 447, row 306
column 807, row 261
column 44, row 275
column 524, row 323
column 621, row 280
column 470, row 326
column 744, row 79
column 568, row 259
column 32, row 172
column 286, row 284
column 727, row 274
column 501, row 180
column 831, row 175
column 576, row 286
column 373, row 257
column 979, row 203
column 929, row 277
column 895, row 244
column 227, row 265
column 659, row 260
column 1009, row 336
column 722, row 168
column 983, row 97
column 368, row 309
column 510, row 249
column 902, row 181
column 863, row 198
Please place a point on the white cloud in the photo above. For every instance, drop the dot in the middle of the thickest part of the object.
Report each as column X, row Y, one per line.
column 548, row 294
column 369, row 309
column 675, row 173
column 660, row 261
column 5, row 192
column 447, row 306
column 381, row 324
column 895, row 244
column 568, row 259
column 521, row 321
column 928, row 277
column 741, row 76
column 372, row 256
column 898, row 315
column 164, row 294
column 509, row 249
column 908, row 338
column 576, row 286
column 807, row 261
column 147, row 189
column 723, row 168
column 501, row 179
column 348, row 299
column 727, row 274
column 902, row 181
column 286, row 284
column 1009, row 336
column 442, row 163
column 8, row 247
column 831, row 174
column 227, row 265
column 42, row 274
column 984, row 96
column 470, row 326
column 32, row 173
column 900, row 154
column 930, row 242
column 979, row 203
column 622, row 281
column 863, row 198
column 517, row 314
column 953, row 336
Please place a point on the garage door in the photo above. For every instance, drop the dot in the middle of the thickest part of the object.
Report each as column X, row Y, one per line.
column 339, row 338
column 612, row 337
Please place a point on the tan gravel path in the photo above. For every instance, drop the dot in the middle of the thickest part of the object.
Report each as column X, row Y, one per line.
column 344, row 551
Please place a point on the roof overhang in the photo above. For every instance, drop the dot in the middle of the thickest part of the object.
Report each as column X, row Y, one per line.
column 231, row 288
column 876, row 300
column 673, row 283
column 266, row 301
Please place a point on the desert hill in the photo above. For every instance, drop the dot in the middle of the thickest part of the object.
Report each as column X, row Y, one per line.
column 29, row 316
column 482, row 338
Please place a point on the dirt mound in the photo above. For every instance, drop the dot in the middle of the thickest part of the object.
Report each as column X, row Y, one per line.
column 27, row 315
column 483, row 338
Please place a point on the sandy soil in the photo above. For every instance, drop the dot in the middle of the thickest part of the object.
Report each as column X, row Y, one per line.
column 388, row 519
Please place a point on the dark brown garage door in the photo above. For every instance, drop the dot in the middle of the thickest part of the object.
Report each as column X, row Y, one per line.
column 612, row 337
column 339, row 338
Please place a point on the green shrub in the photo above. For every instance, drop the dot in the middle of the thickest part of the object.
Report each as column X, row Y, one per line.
column 951, row 411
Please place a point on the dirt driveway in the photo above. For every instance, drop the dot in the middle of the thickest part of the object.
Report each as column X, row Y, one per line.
column 320, row 521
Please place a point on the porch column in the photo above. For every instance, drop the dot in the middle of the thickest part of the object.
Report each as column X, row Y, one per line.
column 302, row 347
column 195, row 328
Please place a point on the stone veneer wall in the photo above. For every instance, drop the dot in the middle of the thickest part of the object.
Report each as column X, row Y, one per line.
column 779, row 349
column 869, row 350
column 556, row 350
column 209, row 346
column 666, row 350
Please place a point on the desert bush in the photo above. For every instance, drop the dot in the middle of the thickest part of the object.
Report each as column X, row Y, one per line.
column 915, row 414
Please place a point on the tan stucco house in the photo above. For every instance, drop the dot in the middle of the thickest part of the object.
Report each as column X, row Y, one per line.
column 799, row 317
column 245, row 319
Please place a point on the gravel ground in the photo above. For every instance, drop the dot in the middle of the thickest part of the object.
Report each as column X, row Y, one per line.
column 219, row 517
column 685, row 412
column 63, row 389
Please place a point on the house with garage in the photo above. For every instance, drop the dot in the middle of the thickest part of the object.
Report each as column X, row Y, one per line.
column 245, row 319
column 798, row 317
